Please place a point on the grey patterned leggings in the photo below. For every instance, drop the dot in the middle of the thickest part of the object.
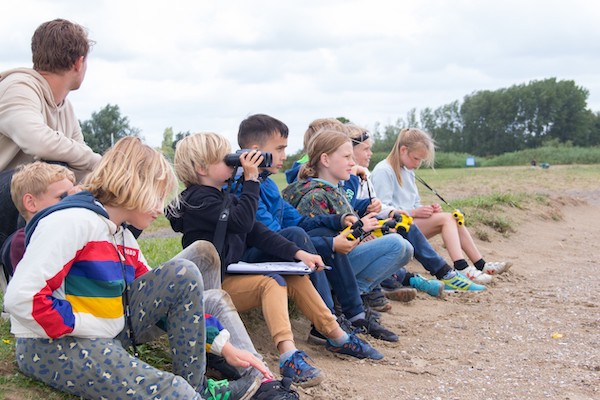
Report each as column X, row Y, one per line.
column 103, row 369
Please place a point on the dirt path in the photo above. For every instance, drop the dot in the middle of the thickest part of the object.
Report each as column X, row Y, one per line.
column 534, row 334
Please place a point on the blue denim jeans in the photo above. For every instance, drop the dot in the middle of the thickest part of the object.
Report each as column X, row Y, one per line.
column 378, row 259
column 424, row 253
column 341, row 278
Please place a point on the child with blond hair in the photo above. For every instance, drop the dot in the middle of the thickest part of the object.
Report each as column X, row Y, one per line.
column 394, row 180
column 34, row 187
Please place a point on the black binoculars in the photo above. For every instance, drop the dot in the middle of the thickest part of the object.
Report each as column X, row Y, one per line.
column 233, row 159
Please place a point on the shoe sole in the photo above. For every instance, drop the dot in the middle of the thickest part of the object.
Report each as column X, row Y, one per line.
column 311, row 382
column 252, row 389
column 383, row 308
column 463, row 291
column 402, row 295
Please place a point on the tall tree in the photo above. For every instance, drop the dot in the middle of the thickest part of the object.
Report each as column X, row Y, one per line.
column 105, row 128
column 166, row 147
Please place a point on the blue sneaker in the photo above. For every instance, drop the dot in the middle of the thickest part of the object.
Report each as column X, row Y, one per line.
column 354, row 347
column 298, row 369
column 432, row 287
column 460, row 283
column 391, row 283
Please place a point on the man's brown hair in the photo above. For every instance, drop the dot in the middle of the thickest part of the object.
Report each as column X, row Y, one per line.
column 57, row 44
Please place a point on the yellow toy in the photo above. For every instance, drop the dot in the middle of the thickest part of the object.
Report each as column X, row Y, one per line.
column 459, row 217
column 400, row 222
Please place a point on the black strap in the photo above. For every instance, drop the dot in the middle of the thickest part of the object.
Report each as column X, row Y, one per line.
column 221, row 228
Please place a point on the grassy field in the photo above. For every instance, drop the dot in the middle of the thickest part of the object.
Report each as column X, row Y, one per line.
column 487, row 196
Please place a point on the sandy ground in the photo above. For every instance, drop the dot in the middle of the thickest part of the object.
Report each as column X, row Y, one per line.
column 534, row 334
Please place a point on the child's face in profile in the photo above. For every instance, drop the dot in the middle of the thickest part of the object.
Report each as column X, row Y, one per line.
column 276, row 145
column 339, row 163
column 412, row 159
column 56, row 192
column 215, row 175
column 363, row 153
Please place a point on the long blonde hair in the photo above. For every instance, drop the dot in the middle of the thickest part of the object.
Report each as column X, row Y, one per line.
column 413, row 139
column 133, row 176
column 324, row 142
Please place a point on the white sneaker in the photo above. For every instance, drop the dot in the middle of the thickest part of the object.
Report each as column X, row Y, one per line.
column 496, row 267
column 476, row 275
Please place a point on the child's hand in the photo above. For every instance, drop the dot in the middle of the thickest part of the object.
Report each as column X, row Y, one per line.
column 436, row 208
column 244, row 359
column 391, row 215
column 343, row 244
column 250, row 162
column 370, row 222
column 375, row 206
column 423, row 212
column 313, row 261
column 349, row 220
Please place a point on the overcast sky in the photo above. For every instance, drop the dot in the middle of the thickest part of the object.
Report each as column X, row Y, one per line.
column 206, row 65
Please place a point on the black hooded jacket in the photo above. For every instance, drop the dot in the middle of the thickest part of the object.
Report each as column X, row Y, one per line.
column 198, row 215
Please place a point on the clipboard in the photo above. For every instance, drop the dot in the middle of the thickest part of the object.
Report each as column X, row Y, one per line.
column 274, row 267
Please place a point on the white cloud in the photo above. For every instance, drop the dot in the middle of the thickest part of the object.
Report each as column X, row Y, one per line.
column 206, row 65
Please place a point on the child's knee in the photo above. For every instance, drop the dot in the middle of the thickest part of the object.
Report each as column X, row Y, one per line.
column 400, row 246
column 181, row 269
column 205, row 252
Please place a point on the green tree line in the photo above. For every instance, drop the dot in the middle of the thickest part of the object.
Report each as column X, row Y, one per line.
column 486, row 123
column 520, row 117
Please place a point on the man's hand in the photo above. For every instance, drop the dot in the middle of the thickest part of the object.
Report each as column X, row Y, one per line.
column 243, row 359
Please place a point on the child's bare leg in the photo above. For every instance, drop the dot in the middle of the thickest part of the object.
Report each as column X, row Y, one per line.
column 445, row 224
column 468, row 245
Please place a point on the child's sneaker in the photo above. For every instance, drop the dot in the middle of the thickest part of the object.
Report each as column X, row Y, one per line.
column 376, row 300
column 243, row 388
column 432, row 287
column 316, row 337
column 460, row 283
column 298, row 369
column 391, row 283
column 371, row 325
column 403, row 294
column 476, row 275
column 496, row 267
column 393, row 289
column 354, row 347
column 276, row 390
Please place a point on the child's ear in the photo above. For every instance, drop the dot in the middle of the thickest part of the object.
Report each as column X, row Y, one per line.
column 324, row 159
column 29, row 203
column 200, row 170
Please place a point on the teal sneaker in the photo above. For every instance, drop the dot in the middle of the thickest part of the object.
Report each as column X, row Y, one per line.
column 354, row 347
column 432, row 287
column 298, row 369
column 460, row 283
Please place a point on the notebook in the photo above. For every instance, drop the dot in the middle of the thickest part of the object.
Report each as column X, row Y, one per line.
column 275, row 267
